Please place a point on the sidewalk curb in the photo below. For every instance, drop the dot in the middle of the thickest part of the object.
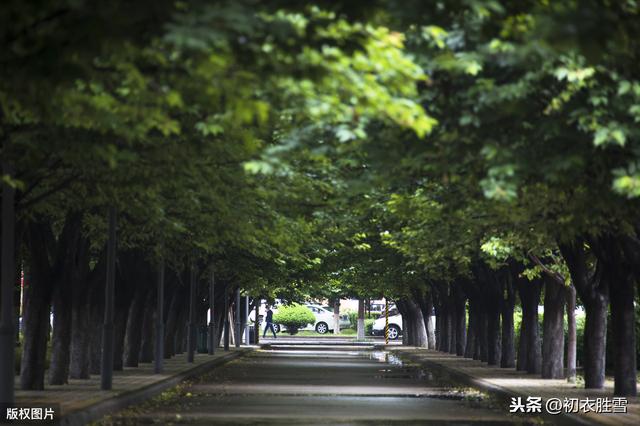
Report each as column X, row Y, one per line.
column 500, row 391
column 121, row 401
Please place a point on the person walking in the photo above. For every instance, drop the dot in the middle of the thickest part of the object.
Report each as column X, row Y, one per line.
column 269, row 321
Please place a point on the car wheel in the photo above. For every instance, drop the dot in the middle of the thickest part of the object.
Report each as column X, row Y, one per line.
column 394, row 332
column 322, row 327
column 276, row 328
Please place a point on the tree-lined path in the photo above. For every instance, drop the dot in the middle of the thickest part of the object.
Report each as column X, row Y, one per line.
column 167, row 166
column 320, row 384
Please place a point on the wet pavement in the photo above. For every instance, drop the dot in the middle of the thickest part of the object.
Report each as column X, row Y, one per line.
column 320, row 384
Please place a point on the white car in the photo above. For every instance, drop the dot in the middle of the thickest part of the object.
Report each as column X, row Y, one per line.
column 395, row 325
column 323, row 323
column 324, row 319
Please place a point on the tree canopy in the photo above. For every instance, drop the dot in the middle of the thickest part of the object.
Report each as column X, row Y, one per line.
column 354, row 148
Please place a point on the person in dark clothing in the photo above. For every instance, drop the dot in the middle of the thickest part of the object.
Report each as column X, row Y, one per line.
column 269, row 321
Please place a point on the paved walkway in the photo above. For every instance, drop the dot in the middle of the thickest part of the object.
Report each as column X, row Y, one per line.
column 81, row 401
column 325, row 340
column 508, row 382
column 318, row 384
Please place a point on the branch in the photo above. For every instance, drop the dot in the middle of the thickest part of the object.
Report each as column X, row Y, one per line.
column 38, row 180
column 34, row 25
column 555, row 275
column 48, row 193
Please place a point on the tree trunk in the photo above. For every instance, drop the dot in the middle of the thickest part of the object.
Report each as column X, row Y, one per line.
column 478, row 334
column 120, row 328
column 445, row 317
column 96, row 315
column 572, row 339
column 405, row 327
column 522, row 361
column 361, row 319
column 71, row 272
column 148, row 335
column 535, row 359
column 133, row 333
column 430, row 326
column 553, row 330
column 451, row 328
column 508, row 358
column 181, row 326
column 483, row 338
column 624, row 339
column 83, row 286
column 594, row 293
column 36, row 333
column 17, row 298
column 134, row 287
column 36, row 313
column 435, row 297
column 471, row 333
column 418, row 327
column 493, row 336
column 407, row 322
column 460, row 321
column 425, row 302
column 474, row 329
column 529, row 354
column 220, row 317
column 171, row 324
column 336, row 315
column 491, row 293
column 61, row 337
column 619, row 255
column 438, row 327
column 595, row 336
column 80, row 339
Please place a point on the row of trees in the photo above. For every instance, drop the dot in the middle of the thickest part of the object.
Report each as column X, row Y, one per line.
column 526, row 188
column 157, row 112
column 449, row 154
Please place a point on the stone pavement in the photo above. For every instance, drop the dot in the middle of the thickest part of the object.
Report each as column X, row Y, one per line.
column 297, row 384
column 508, row 383
column 82, row 401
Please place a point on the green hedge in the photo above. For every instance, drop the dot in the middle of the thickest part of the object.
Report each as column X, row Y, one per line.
column 294, row 317
column 368, row 326
column 369, row 319
column 353, row 317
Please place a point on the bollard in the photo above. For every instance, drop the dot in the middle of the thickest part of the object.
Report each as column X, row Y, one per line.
column 386, row 321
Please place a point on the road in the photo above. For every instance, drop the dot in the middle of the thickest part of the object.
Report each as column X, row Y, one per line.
column 328, row 383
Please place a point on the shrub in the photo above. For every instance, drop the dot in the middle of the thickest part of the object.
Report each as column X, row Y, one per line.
column 294, row 317
column 353, row 317
column 368, row 326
